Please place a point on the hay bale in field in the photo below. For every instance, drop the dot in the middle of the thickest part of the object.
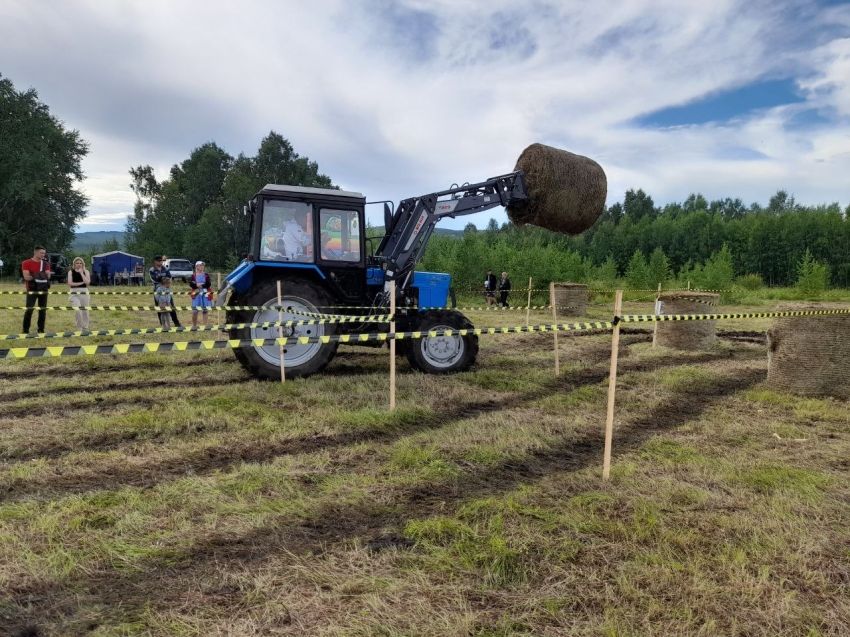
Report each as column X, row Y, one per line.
column 566, row 192
column 687, row 335
column 810, row 355
column 571, row 299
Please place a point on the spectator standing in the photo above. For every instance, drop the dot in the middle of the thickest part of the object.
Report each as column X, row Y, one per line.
column 504, row 289
column 104, row 273
column 490, row 284
column 202, row 294
column 158, row 273
column 79, row 280
column 36, row 273
column 162, row 297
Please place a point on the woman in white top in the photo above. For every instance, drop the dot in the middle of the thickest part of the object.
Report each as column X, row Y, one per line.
column 79, row 280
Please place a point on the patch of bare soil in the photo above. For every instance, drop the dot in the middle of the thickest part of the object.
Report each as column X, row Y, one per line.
column 744, row 336
column 210, row 460
column 126, row 386
column 23, row 372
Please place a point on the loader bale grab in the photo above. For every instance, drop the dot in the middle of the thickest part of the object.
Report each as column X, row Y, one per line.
column 566, row 192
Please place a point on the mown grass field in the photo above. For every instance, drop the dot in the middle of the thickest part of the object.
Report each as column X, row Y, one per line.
column 171, row 494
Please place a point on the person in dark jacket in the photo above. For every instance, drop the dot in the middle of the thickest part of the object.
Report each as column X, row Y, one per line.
column 157, row 273
column 490, row 283
column 104, row 273
column 504, row 289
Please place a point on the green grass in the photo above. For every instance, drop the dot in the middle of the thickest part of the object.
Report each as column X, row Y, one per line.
column 170, row 494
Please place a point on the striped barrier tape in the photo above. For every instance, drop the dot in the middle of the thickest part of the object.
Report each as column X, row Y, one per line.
column 652, row 318
column 168, row 330
column 90, row 292
column 383, row 318
column 139, row 348
column 490, row 308
column 696, row 300
column 469, row 290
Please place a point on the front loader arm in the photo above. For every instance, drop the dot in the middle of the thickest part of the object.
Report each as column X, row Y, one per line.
column 415, row 219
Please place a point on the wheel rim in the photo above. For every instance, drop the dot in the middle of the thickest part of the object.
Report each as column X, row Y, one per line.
column 442, row 351
column 293, row 355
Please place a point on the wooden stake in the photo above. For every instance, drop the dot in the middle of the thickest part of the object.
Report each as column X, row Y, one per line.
column 657, row 312
column 555, row 320
column 612, row 389
column 528, row 307
column 218, row 310
column 689, row 285
column 280, row 334
column 392, row 346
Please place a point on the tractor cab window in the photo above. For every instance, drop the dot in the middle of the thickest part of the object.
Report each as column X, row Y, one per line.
column 287, row 232
column 340, row 235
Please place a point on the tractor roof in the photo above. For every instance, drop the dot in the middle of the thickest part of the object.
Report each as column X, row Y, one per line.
column 303, row 190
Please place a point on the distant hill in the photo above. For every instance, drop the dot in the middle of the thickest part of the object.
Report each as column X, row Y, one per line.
column 85, row 241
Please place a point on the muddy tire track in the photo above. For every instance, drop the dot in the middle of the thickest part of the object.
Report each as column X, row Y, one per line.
column 371, row 525
column 210, row 460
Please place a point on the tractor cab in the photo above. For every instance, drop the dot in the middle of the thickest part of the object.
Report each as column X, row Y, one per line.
column 316, row 234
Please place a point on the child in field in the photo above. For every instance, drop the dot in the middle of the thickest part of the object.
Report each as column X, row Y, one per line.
column 202, row 294
column 163, row 298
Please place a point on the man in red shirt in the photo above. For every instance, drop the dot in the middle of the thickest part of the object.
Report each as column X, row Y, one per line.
column 36, row 273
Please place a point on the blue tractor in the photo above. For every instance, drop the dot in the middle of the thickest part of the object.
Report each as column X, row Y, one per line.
column 313, row 241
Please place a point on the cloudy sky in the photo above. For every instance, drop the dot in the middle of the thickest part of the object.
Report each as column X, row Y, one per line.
column 400, row 98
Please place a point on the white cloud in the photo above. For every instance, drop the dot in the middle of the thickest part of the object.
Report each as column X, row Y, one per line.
column 398, row 99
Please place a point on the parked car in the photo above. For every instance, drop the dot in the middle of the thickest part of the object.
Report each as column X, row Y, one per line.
column 58, row 266
column 181, row 269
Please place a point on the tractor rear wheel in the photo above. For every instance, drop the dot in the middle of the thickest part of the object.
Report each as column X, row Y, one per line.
column 442, row 354
column 299, row 359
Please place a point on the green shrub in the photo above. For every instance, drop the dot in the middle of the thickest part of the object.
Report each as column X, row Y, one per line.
column 812, row 277
column 637, row 273
column 750, row 281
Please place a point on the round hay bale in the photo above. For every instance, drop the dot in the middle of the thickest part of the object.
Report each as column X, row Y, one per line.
column 687, row 335
column 566, row 192
column 810, row 355
column 571, row 299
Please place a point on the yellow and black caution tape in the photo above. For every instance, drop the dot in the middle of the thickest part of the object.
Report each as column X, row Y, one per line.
column 139, row 348
column 381, row 318
column 653, row 318
column 696, row 300
column 171, row 330
column 493, row 308
column 664, row 290
column 90, row 292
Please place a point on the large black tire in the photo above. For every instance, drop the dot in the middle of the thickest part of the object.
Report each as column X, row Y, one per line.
column 442, row 354
column 299, row 360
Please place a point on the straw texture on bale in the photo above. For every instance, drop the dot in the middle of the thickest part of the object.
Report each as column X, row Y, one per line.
column 810, row 355
column 687, row 335
column 566, row 192
column 571, row 299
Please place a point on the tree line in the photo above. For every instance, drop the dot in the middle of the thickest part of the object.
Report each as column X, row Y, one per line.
column 706, row 242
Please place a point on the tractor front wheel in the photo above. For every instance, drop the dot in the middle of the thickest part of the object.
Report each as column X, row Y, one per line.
column 299, row 297
column 442, row 354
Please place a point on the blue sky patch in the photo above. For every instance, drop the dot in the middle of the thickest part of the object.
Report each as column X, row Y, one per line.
column 726, row 105
column 411, row 32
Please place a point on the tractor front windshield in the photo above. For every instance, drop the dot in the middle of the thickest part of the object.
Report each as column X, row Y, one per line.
column 287, row 232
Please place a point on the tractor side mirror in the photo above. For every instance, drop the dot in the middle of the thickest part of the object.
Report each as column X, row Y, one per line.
column 388, row 218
